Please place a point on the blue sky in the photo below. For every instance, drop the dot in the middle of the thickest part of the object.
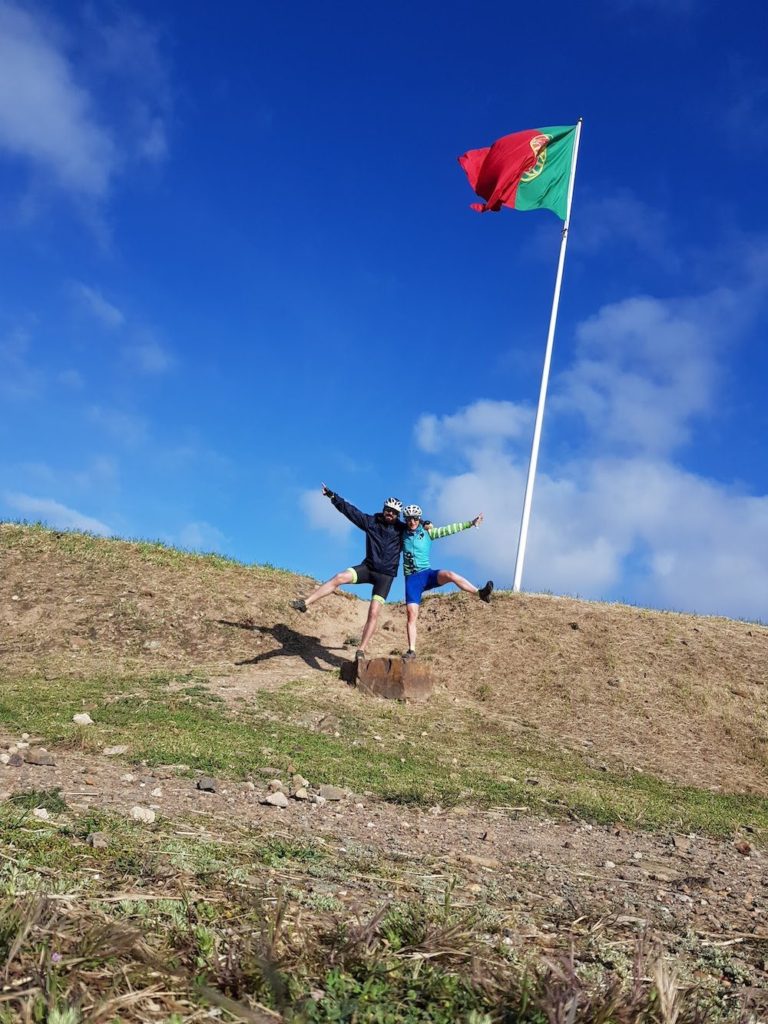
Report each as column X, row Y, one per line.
column 238, row 260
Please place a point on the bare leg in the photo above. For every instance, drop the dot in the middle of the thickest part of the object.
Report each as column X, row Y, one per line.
column 446, row 576
column 370, row 623
column 347, row 576
column 412, row 613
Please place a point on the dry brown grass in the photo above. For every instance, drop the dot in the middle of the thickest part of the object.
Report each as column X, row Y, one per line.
column 681, row 696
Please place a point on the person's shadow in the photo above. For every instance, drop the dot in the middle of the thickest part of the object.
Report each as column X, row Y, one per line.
column 294, row 644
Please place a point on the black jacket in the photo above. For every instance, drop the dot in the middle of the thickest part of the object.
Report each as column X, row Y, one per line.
column 383, row 540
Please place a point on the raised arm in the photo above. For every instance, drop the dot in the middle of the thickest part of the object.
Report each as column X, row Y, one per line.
column 354, row 515
column 436, row 532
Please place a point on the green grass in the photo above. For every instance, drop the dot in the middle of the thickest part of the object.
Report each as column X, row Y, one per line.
column 87, row 547
column 420, row 760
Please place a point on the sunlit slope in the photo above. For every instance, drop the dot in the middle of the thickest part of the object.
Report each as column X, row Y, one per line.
column 681, row 697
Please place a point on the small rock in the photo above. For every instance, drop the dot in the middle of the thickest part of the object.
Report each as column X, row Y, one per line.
column 41, row 757
column 744, row 848
column 22, row 745
column 299, row 781
column 609, row 864
column 250, row 785
column 121, row 748
column 300, row 794
column 83, row 718
column 206, row 784
column 41, row 814
column 145, row 814
column 5, row 758
column 15, row 761
column 332, row 793
column 89, row 780
column 25, row 736
column 152, row 645
column 156, row 792
column 275, row 786
column 532, row 782
column 278, row 799
column 318, row 800
column 98, row 840
column 127, row 777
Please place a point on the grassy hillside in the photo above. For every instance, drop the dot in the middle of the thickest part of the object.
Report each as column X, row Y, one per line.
column 681, row 697
column 586, row 780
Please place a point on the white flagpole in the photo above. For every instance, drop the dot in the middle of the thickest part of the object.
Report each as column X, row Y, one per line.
column 545, row 374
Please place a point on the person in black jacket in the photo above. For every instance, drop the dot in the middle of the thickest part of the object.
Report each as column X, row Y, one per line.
column 383, row 544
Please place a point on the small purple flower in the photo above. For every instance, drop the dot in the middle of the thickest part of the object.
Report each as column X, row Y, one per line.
column 55, row 958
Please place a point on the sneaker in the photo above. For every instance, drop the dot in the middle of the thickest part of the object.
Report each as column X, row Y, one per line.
column 409, row 655
column 299, row 604
column 485, row 592
column 360, row 656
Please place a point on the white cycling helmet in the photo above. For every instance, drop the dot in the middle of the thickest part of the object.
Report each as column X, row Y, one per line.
column 412, row 511
column 395, row 504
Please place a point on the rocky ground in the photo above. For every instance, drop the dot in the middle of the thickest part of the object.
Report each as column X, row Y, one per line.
column 703, row 900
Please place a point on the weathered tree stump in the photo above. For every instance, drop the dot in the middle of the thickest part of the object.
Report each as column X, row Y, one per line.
column 391, row 678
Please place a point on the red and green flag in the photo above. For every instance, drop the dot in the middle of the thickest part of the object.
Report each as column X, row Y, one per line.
column 528, row 170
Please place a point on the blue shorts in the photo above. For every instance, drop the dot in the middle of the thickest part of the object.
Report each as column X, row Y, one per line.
column 418, row 582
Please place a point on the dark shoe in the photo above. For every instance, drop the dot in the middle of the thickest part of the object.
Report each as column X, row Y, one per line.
column 485, row 592
column 409, row 655
column 299, row 604
column 360, row 656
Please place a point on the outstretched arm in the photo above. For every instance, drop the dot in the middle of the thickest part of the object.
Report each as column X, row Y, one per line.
column 354, row 515
column 436, row 532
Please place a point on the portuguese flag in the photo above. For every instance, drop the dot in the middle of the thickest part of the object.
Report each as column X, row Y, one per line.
column 526, row 171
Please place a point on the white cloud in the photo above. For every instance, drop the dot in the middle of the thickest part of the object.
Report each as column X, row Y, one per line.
column 645, row 368
column 485, row 420
column 126, row 427
column 127, row 50
column 619, row 217
column 19, row 378
column 80, row 104
column 71, row 379
column 321, row 515
column 98, row 306
column 100, row 473
column 55, row 514
column 634, row 529
column 97, row 474
column 149, row 357
column 45, row 116
column 202, row 536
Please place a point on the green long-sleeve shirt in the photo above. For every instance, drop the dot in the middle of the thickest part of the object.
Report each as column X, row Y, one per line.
column 418, row 543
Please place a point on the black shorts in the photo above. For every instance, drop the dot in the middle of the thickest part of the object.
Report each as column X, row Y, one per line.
column 381, row 582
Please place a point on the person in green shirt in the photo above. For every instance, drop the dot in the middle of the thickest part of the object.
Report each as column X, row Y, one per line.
column 419, row 574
